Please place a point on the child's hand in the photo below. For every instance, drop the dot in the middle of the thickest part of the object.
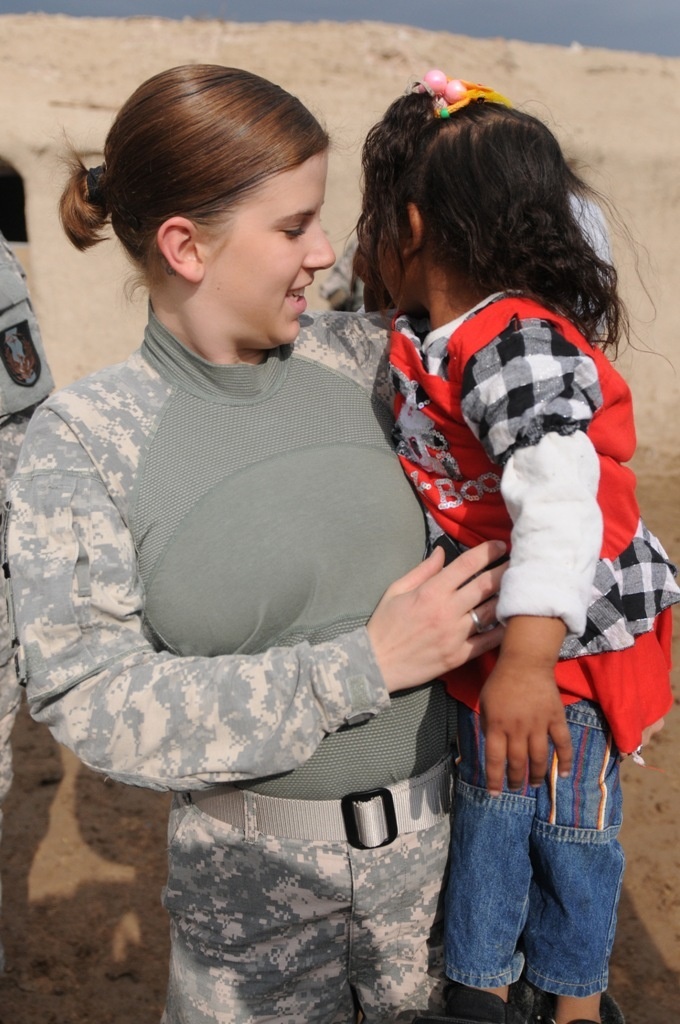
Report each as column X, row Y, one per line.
column 521, row 707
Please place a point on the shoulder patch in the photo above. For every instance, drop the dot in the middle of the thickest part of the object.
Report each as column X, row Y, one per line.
column 19, row 354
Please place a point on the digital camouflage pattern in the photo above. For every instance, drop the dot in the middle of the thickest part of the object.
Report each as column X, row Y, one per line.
column 342, row 289
column 92, row 675
column 12, row 430
column 321, row 917
column 24, row 380
column 25, row 377
column 151, row 718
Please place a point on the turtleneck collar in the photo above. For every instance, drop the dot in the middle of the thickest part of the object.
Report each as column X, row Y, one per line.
column 232, row 382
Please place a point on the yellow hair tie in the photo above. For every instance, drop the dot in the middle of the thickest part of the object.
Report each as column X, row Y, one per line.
column 450, row 94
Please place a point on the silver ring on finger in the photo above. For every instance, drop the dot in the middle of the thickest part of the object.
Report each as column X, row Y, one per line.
column 479, row 625
column 477, row 622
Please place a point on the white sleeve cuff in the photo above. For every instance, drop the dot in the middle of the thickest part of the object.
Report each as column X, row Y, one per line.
column 550, row 491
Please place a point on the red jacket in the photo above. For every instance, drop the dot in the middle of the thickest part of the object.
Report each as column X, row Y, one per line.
column 632, row 685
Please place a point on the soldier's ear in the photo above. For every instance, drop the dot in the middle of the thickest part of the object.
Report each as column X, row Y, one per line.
column 180, row 246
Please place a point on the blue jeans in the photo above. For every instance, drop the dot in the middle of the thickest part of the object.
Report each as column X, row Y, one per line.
column 535, row 876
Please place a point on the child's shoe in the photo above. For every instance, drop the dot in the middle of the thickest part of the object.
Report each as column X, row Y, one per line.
column 472, row 1006
column 610, row 1011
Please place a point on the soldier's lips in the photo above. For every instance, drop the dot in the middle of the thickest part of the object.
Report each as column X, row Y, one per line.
column 297, row 300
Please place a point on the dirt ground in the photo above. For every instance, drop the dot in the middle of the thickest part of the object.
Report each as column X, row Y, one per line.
column 83, row 862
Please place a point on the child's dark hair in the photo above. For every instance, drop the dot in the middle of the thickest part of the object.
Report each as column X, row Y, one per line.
column 497, row 199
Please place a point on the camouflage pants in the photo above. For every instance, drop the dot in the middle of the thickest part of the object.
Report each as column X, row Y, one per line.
column 301, row 932
column 11, row 435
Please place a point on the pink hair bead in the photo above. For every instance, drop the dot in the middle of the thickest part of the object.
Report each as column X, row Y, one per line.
column 454, row 91
column 436, row 81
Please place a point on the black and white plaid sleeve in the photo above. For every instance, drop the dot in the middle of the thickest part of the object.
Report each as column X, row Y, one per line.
column 528, row 382
column 628, row 593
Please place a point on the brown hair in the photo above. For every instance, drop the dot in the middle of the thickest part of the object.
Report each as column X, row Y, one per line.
column 496, row 196
column 192, row 141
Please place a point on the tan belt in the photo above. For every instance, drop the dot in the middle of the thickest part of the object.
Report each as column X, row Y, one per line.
column 364, row 820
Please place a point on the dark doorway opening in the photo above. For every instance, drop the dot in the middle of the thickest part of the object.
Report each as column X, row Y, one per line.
column 12, row 204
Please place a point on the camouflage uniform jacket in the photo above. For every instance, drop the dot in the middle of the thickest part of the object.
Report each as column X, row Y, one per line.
column 24, row 374
column 129, row 708
column 24, row 381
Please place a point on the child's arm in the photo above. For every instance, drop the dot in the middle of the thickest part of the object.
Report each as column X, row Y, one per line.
column 521, row 706
column 550, row 490
column 529, row 397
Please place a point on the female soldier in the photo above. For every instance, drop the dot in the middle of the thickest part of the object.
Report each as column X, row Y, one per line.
column 203, row 542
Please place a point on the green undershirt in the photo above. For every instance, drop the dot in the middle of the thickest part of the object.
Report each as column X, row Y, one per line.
column 270, row 509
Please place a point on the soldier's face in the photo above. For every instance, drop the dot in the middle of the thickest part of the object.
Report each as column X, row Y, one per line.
column 258, row 271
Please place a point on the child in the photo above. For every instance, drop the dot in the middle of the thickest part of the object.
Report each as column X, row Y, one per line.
column 512, row 424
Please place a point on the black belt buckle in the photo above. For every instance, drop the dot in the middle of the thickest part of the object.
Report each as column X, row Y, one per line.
column 346, row 805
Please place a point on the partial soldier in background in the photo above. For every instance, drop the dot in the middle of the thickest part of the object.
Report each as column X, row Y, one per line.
column 343, row 290
column 24, row 381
